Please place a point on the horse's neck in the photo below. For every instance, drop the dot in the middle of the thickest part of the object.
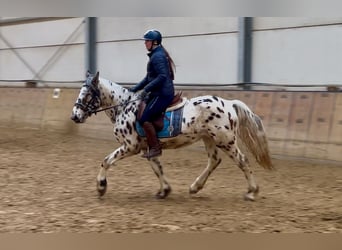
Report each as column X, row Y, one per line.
column 116, row 96
column 111, row 93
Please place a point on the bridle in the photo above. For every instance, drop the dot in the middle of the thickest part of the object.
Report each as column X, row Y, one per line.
column 91, row 108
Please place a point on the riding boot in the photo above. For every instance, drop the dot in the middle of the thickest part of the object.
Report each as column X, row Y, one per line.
column 154, row 147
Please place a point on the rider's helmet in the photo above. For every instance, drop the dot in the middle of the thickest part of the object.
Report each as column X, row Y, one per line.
column 153, row 35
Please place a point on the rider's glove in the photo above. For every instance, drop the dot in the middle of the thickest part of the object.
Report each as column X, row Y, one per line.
column 143, row 95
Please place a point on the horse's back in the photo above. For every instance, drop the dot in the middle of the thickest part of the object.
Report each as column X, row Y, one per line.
column 215, row 104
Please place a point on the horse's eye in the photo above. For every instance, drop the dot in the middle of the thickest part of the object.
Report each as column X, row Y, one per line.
column 88, row 98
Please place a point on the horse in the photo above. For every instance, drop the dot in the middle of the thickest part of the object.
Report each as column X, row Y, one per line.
column 218, row 122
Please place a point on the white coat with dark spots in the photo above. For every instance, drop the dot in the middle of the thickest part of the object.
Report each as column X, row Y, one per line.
column 219, row 123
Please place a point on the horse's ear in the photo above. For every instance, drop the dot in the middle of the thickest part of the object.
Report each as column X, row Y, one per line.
column 96, row 78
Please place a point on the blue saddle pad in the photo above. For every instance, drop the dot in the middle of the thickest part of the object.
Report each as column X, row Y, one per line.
column 172, row 124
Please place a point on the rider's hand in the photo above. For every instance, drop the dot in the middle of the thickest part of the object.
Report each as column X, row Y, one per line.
column 132, row 90
column 143, row 95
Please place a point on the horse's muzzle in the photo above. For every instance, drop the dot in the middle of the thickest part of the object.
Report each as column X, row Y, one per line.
column 75, row 118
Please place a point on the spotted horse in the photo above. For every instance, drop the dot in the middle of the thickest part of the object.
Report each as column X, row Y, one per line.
column 218, row 122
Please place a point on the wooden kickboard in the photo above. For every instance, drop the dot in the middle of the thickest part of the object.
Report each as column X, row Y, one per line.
column 323, row 104
column 263, row 107
column 336, row 126
column 279, row 121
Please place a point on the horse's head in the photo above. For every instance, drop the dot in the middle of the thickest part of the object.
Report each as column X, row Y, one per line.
column 88, row 100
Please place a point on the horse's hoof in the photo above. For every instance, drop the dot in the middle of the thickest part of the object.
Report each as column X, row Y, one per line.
column 194, row 190
column 101, row 191
column 102, row 187
column 163, row 194
column 249, row 197
column 252, row 192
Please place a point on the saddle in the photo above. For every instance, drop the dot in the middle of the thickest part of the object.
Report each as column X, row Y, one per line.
column 177, row 102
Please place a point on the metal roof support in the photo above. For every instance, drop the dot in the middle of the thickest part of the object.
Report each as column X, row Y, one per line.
column 24, row 20
column 91, row 38
column 245, row 50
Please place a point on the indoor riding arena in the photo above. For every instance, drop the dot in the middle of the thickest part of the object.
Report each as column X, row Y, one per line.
column 49, row 165
column 287, row 70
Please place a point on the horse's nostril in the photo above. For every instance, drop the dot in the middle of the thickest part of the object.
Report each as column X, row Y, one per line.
column 74, row 118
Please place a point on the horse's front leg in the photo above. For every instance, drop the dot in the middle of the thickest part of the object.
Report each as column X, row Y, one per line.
column 165, row 188
column 108, row 161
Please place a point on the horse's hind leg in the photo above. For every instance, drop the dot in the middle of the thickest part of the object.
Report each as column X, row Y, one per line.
column 234, row 152
column 213, row 161
column 165, row 188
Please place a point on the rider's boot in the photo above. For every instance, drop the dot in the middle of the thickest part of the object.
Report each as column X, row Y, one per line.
column 154, row 147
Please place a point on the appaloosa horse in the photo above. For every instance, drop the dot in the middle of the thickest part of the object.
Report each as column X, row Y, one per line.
column 216, row 121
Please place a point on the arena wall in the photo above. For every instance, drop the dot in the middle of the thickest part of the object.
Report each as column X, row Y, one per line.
column 285, row 50
column 298, row 124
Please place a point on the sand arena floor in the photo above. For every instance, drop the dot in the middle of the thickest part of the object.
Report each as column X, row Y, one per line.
column 47, row 184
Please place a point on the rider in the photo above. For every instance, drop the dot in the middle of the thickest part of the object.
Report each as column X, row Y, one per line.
column 157, row 86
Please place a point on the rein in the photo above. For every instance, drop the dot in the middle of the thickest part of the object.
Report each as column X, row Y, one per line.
column 95, row 94
column 114, row 106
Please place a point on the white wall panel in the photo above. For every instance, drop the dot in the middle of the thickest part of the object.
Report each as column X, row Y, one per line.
column 43, row 33
column 68, row 64
column 306, row 56
column 122, row 62
column 207, row 59
column 12, row 68
column 199, row 59
column 203, row 59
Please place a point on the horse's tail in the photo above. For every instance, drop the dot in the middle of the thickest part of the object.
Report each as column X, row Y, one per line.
column 251, row 131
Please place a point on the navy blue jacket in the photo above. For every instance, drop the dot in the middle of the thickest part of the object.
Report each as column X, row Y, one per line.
column 158, row 78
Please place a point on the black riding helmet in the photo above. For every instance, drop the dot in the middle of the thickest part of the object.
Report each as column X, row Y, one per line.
column 153, row 35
